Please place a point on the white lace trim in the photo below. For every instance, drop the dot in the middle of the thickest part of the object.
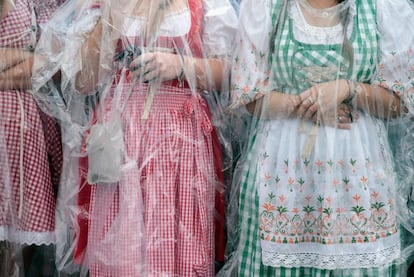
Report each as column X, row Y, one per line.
column 307, row 33
column 29, row 238
column 334, row 256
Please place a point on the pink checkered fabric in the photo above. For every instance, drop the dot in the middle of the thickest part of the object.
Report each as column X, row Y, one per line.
column 17, row 21
column 44, row 9
column 20, row 20
column 42, row 156
column 159, row 220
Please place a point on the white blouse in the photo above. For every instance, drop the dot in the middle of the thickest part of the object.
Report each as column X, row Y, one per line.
column 395, row 19
column 219, row 25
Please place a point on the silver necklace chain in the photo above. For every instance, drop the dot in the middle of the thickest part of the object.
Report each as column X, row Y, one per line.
column 326, row 13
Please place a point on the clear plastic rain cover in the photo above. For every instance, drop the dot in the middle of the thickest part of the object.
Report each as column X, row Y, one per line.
column 323, row 180
column 30, row 152
column 146, row 141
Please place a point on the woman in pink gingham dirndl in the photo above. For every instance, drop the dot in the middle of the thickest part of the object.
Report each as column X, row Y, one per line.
column 159, row 219
column 32, row 139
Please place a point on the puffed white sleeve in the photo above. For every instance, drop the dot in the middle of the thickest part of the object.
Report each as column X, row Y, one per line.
column 396, row 54
column 219, row 27
column 251, row 69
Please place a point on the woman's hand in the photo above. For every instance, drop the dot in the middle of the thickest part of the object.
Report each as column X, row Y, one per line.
column 10, row 57
column 17, row 70
column 323, row 98
column 342, row 117
column 323, row 104
column 158, row 66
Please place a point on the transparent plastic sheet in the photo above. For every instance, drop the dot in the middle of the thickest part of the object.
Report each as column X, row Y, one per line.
column 145, row 138
column 235, row 4
column 30, row 152
column 328, row 193
column 9, row 253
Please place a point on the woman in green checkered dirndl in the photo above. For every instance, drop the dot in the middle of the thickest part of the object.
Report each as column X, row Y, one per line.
column 322, row 83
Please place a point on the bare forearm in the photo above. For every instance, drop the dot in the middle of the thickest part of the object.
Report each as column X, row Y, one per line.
column 10, row 57
column 18, row 76
column 209, row 73
column 377, row 101
column 275, row 105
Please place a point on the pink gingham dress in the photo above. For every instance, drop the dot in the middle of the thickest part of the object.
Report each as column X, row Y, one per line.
column 27, row 200
column 159, row 219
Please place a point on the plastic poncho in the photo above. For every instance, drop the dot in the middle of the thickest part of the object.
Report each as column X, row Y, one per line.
column 144, row 134
column 30, row 149
column 323, row 181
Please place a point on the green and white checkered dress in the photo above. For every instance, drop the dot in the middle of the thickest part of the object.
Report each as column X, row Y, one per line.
column 277, row 177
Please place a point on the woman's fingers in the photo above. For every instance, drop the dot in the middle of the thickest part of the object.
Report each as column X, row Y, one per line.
column 311, row 111
column 340, row 122
column 155, row 65
column 307, row 101
column 342, row 118
column 346, row 115
column 144, row 67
